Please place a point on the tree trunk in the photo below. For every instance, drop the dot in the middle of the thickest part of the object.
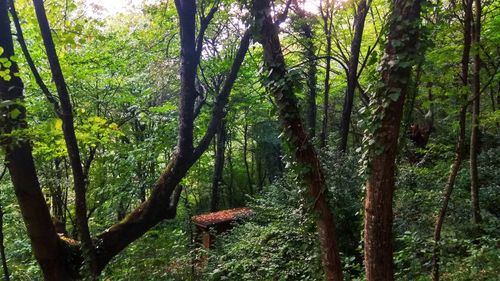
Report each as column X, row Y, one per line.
column 455, row 168
column 459, row 150
column 45, row 243
column 218, row 167
column 352, row 73
column 327, row 28
column 387, row 113
column 245, row 158
column 296, row 136
column 474, row 137
column 68, row 128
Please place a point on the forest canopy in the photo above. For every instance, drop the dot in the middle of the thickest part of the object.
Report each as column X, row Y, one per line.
column 250, row 140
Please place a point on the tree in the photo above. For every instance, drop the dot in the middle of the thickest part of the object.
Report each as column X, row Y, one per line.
column 47, row 247
column 280, row 85
column 474, row 137
column 387, row 108
column 352, row 73
column 327, row 11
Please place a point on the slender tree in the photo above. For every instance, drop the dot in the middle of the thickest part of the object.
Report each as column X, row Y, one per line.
column 460, row 146
column 68, row 128
column 474, row 137
column 352, row 73
column 220, row 140
column 327, row 17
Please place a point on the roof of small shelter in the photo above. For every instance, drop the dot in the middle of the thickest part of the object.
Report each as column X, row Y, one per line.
column 210, row 219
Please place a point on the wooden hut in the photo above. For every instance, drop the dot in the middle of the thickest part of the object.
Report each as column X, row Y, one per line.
column 210, row 224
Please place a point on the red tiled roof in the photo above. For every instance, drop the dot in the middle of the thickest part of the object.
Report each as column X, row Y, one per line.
column 210, row 219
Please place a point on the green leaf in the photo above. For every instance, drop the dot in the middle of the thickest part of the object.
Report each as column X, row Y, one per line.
column 15, row 113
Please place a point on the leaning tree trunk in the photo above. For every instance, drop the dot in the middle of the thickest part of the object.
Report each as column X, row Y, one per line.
column 44, row 240
column 474, row 137
column 387, row 113
column 352, row 73
column 297, row 137
column 459, row 150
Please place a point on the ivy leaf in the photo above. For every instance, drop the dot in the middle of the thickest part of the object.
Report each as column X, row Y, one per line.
column 394, row 96
column 15, row 113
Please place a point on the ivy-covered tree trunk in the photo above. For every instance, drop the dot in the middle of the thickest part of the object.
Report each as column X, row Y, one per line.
column 47, row 248
column 474, row 137
column 387, row 108
column 280, row 86
column 352, row 73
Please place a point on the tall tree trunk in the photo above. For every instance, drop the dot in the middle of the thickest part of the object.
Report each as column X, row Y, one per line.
column 474, row 137
column 218, row 167
column 45, row 243
column 459, row 150
column 387, row 114
column 68, row 127
column 352, row 73
column 327, row 29
column 299, row 142
column 245, row 158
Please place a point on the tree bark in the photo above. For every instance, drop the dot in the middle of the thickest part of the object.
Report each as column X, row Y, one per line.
column 296, row 136
column 474, row 137
column 387, row 113
column 352, row 73
column 47, row 248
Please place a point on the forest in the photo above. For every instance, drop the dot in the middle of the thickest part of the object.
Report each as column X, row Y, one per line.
column 250, row 140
